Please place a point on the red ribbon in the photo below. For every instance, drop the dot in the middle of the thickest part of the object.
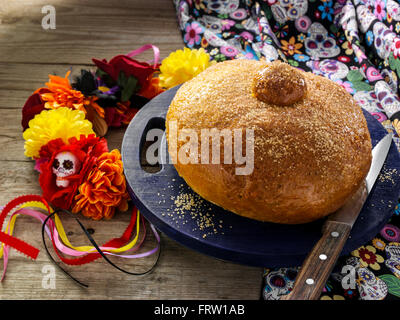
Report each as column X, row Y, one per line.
column 12, row 241
column 33, row 252
column 115, row 243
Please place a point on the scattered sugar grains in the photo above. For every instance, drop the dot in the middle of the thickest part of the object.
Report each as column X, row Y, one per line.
column 191, row 205
column 387, row 175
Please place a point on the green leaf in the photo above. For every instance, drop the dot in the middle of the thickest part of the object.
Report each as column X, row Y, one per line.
column 239, row 26
column 333, row 28
column 105, row 77
column 354, row 75
column 396, row 66
column 361, row 86
column 219, row 57
column 100, row 73
column 392, row 61
column 122, row 79
column 393, row 284
column 267, row 10
column 129, row 88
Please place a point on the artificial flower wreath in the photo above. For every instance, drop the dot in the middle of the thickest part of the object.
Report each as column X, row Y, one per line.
column 63, row 123
column 64, row 127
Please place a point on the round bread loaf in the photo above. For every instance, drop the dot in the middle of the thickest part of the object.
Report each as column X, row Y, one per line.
column 311, row 143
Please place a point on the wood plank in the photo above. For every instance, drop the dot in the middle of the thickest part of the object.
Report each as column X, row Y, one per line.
column 22, row 79
column 85, row 29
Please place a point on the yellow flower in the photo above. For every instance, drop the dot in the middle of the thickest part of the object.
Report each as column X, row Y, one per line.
column 48, row 125
column 347, row 47
column 301, row 37
column 378, row 243
column 182, row 65
column 291, row 47
column 385, row 62
column 368, row 257
column 199, row 5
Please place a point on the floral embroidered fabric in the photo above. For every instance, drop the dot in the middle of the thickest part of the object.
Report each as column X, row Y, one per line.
column 355, row 43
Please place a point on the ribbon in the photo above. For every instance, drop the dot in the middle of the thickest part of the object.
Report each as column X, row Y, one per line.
column 102, row 254
column 14, row 242
column 145, row 48
column 55, row 231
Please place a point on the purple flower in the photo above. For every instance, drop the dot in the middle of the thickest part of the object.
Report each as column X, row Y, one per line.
column 229, row 51
column 192, row 35
column 379, row 11
column 227, row 24
column 247, row 35
column 346, row 84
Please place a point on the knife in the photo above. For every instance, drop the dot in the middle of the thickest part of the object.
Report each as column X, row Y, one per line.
column 319, row 263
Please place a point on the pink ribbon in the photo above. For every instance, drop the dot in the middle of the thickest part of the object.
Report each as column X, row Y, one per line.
column 66, row 250
column 145, row 48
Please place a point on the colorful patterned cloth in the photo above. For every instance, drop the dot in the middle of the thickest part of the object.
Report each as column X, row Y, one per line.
column 355, row 43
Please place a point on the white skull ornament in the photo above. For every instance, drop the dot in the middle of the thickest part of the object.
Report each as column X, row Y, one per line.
column 370, row 287
column 223, row 6
column 319, row 44
column 65, row 164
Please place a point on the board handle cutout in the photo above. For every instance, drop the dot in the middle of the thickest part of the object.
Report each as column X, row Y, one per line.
column 151, row 144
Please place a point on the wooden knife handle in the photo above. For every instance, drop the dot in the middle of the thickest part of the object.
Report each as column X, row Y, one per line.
column 319, row 263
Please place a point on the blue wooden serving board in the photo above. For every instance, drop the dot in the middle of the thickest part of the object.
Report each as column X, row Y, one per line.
column 164, row 199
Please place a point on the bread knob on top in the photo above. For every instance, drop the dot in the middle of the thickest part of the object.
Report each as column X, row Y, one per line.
column 279, row 84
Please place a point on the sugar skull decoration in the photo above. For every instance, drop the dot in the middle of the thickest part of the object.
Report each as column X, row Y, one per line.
column 329, row 68
column 394, row 8
column 65, row 164
column 318, row 44
column 211, row 23
column 223, row 6
column 386, row 97
column 393, row 258
column 289, row 10
column 213, row 39
column 368, row 101
column 383, row 39
column 365, row 17
column 370, row 287
column 279, row 282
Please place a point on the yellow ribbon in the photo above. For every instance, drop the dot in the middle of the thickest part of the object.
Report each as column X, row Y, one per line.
column 11, row 224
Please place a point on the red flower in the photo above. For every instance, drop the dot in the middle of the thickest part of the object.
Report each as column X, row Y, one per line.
column 142, row 71
column 119, row 115
column 33, row 106
column 85, row 151
column 367, row 255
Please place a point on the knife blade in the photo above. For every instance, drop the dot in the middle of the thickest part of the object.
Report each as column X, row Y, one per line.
column 335, row 231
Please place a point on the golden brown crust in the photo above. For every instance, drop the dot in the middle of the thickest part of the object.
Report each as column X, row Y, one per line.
column 309, row 157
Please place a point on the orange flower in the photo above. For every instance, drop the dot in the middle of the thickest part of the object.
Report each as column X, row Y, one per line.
column 152, row 89
column 104, row 189
column 62, row 95
column 291, row 47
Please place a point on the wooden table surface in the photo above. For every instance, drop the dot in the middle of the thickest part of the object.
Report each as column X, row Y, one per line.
column 28, row 53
